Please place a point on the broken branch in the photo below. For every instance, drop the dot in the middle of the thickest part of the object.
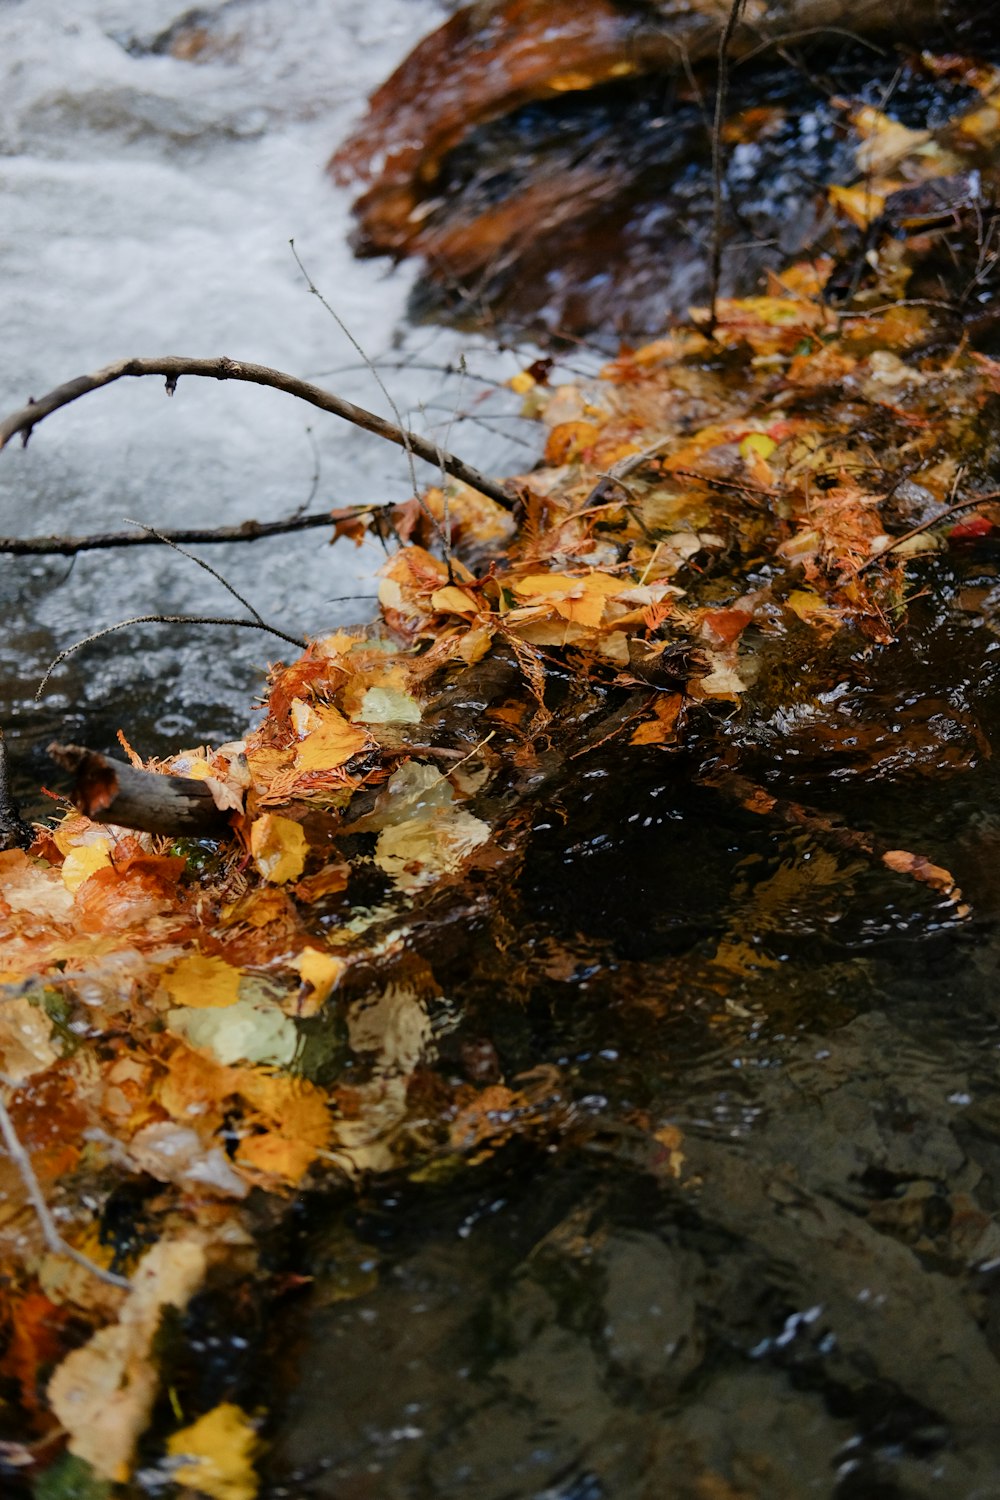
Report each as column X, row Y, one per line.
column 109, row 791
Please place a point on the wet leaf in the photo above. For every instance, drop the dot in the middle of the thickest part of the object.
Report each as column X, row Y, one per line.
column 202, row 980
column 246, row 1031
column 278, row 846
column 216, row 1454
column 103, row 1392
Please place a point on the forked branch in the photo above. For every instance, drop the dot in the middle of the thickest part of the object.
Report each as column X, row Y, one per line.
column 172, row 366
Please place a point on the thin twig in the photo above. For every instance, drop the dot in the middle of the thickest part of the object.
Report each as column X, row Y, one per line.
column 201, row 563
column 721, row 100
column 246, row 531
column 373, row 370
column 173, row 366
column 163, row 620
column 942, row 515
column 51, row 1235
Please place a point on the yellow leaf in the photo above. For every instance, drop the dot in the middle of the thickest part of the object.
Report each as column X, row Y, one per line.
column 103, row 1392
column 580, row 600
column 813, row 610
column 276, row 1155
column 82, row 862
column 981, row 125
column 422, row 849
column 202, row 981
column 454, row 601
column 278, row 846
column 321, row 970
column 884, row 142
column 25, row 1045
column 330, row 744
column 661, row 729
column 198, row 769
column 759, row 443
column 859, row 204
column 217, row 1454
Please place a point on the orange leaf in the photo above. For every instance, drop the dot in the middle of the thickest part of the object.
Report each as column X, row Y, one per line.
column 568, row 439
column 661, row 728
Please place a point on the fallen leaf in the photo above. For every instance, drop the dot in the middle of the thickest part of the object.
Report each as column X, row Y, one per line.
column 246, row 1031
column 103, row 1393
column 331, row 743
column 278, row 846
column 82, row 862
column 319, row 972
column 202, row 980
column 215, row 1455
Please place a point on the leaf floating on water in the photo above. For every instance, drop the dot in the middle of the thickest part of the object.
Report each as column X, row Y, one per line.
column 419, row 851
column 278, row 846
column 921, row 868
column 216, row 1454
column 103, row 1392
column 203, row 981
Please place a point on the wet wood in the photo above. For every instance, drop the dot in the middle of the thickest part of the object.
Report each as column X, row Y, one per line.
column 172, row 367
column 109, row 791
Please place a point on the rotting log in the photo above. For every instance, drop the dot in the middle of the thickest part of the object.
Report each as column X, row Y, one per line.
column 109, row 791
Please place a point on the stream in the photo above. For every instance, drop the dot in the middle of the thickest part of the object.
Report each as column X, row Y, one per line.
column 148, row 204
column 797, row 1292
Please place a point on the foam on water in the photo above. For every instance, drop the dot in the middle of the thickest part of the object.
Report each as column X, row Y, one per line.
column 147, row 206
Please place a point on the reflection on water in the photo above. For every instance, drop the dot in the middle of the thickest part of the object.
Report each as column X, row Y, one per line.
column 756, row 1252
column 750, row 1247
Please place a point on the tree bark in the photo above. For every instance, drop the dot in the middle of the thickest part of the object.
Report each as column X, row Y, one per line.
column 109, row 791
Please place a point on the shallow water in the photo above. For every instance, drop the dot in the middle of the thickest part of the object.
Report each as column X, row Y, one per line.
column 753, row 1250
column 148, row 203
column 758, row 1254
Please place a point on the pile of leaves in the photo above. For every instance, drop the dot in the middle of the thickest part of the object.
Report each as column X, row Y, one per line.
column 714, row 516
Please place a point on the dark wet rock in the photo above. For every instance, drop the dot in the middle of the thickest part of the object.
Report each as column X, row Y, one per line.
column 550, row 161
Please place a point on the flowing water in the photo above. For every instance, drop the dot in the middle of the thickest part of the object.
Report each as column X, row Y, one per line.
column 758, row 1254
column 148, row 202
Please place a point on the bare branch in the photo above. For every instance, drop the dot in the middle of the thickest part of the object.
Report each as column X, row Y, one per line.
column 246, row 531
column 164, row 620
column 26, row 1172
column 373, row 369
column 201, row 563
column 928, row 525
column 172, row 366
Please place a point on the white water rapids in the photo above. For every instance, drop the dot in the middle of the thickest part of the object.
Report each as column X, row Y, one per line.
column 147, row 208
